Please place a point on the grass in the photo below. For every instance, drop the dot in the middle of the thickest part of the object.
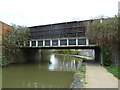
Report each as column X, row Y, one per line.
column 114, row 70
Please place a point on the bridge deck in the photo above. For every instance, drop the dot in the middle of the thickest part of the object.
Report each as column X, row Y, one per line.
column 68, row 42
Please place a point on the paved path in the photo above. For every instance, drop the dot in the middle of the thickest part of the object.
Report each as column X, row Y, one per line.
column 98, row 77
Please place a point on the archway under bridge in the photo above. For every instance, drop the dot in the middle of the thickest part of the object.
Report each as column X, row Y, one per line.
column 31, row 52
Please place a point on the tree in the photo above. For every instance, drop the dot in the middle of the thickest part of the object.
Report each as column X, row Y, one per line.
column 12, row 42
column 104, row 32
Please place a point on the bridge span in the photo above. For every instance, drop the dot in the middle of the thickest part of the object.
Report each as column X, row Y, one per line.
column 67, row 35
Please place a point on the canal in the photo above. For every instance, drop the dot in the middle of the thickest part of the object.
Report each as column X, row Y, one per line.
column 51, row 71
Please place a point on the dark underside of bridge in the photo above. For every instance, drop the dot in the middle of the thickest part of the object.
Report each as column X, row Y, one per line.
column 33, row 51
column 63, row 47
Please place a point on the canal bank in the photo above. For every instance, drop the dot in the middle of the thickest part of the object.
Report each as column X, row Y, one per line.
column 79, row 78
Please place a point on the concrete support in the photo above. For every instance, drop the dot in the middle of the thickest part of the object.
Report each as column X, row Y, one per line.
column 101, row 61
column 87, row 41
column 58, row 42
column 43, row 42
column 67, row 42
column 76, row 42
column 30, row 43
column 98, row 55
column 50, row 42
column 36, row 43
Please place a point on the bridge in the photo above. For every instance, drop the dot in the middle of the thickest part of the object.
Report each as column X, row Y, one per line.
column 67, row 35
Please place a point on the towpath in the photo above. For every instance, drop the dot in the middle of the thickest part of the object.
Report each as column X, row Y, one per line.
column 98, row 77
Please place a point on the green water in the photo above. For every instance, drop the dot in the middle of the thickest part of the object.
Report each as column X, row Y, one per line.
column 51, row 71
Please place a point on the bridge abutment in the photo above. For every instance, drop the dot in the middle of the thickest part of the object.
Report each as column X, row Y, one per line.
column 98, row 55
column 32, row 55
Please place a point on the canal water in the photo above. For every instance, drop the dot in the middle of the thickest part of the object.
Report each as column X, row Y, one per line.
column 51, row 71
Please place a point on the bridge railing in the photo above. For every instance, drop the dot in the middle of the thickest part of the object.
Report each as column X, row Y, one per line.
column 59, row 42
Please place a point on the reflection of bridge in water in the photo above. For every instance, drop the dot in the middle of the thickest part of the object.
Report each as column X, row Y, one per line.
column 71, row 35
column 65, row 64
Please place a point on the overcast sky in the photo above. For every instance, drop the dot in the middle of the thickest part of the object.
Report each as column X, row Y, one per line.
column 41, row 12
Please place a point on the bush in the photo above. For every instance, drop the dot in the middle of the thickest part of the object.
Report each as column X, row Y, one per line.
column 11, row 52
column 107, row 56
column 5, row 62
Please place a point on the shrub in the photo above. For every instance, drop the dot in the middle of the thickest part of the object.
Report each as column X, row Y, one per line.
column 107, row 56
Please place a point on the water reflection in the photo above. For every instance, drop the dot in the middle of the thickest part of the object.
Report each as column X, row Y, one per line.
column 52, row 71
column 54, row 62
column 64, row 63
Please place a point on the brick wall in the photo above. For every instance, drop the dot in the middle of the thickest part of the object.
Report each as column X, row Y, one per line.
column 6, row 28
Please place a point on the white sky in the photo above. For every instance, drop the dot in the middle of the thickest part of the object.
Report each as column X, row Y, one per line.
column 41, row 12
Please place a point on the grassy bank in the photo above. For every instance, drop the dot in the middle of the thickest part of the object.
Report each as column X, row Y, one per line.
column 114, row 70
